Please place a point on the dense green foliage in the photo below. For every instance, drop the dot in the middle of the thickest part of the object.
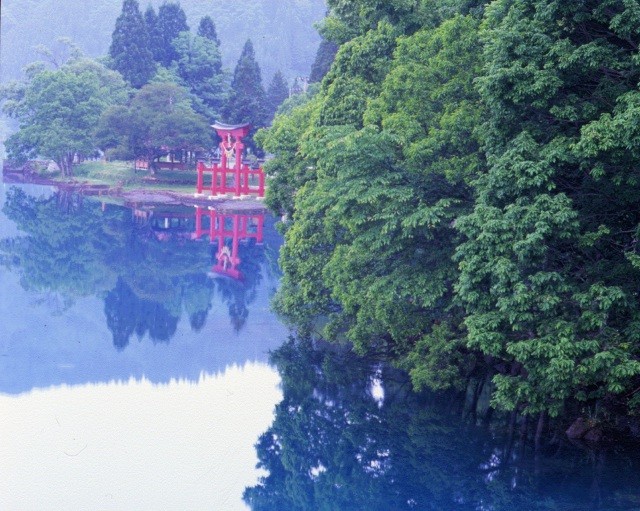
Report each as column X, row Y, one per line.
column 130, row 46
column 247, row 100
column 547, row 277
column 462, row 195
column 323, row 60
column 199, row 67
column 58, row 110
column 171, row 22
column 207, row 28
column 159, row 118
column 277, row 93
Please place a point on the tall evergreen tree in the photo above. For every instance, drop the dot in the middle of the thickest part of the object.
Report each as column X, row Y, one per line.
column 207, row 28
column 324, row 58
column 129, row 48
column 155, row 38
column 277, row 92
column 247, row 99
column 171, row 21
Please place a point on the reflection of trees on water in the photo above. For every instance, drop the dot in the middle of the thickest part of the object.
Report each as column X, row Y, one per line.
column 126, row 313
column 61, row 251
column 148, row 276
column 340, row 443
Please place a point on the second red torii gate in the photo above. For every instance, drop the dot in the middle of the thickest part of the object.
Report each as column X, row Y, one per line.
column 244, row 177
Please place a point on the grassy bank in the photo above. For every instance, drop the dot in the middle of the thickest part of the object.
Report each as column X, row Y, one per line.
column 121, row 174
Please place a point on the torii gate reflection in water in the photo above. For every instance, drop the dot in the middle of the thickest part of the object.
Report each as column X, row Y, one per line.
column 238, row 226
column 245, row 180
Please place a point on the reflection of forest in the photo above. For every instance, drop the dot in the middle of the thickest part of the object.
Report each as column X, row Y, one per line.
column 360, row 439
column 148, row 265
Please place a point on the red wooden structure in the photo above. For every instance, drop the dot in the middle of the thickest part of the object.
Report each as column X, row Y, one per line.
column 228, row 229
column 231, row 175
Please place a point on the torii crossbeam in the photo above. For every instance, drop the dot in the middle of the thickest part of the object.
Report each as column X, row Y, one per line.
column 231, row 175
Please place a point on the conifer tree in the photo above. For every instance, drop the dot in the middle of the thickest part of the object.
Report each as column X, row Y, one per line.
column 129, row 48
column 155, row 39
column 277, row 92
column 324, row 58
column 207, row 29
column 171, row 21
column 247, row 99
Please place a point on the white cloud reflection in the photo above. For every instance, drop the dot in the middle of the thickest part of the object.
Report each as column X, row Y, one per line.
column 136, row 445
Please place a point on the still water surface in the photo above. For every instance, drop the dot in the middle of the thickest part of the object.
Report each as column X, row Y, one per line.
column 134, row 374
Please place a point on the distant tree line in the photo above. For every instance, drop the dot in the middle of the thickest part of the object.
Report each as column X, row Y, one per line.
column 157, row 90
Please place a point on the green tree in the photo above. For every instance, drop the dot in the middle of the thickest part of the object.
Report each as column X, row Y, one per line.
column 289, row 170
column 155, row 38
column 199, row 65
column 502, row 139
column 59, row 110
column 246, row 101
column 171, row 22
column 323, row 60
column 159, row 118
column 207, row 29
column 277, row 92
column 130, row 46
column 547, row 273
column 390, row 151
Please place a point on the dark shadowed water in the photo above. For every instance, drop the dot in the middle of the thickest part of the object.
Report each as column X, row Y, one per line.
column 135, row 374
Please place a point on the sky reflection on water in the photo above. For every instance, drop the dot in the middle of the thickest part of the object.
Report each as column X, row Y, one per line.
column 136, row 445
column 131, row 376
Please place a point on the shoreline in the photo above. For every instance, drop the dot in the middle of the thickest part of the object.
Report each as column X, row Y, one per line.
column 139, row 195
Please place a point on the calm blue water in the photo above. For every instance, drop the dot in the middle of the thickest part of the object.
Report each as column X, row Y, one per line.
column 135, row 374
column 134, row 366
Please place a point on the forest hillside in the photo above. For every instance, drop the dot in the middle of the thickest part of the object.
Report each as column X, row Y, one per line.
column 281, row 30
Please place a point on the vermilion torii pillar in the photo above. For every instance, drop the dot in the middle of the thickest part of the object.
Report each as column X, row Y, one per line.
column 231, row 148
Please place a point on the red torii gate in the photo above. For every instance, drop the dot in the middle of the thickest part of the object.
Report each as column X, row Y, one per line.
column 244, row 226
column 231, row 164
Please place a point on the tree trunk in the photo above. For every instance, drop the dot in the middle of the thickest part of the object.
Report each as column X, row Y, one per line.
column 539, row 430
column 65, row 162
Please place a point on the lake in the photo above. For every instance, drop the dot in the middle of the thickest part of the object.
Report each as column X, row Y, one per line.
column 141, row 368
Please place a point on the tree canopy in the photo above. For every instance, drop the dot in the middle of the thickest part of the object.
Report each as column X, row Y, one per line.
column 460, row 195
column 199, row 66
column 247, row 99
column 171, row 22
column 130, row 46
column 158, row 119
column 207, row 29
column 277, row 92
column 246, row 102
column 58, row 110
